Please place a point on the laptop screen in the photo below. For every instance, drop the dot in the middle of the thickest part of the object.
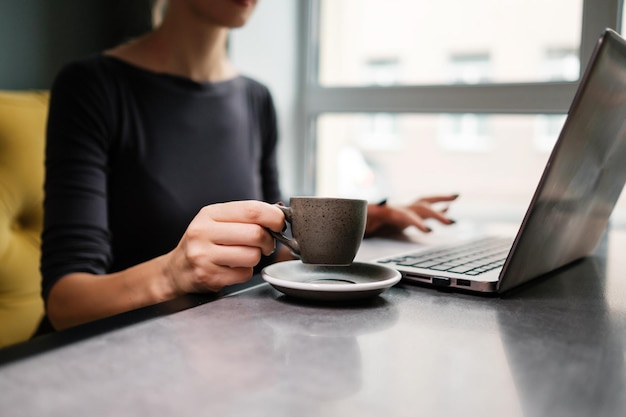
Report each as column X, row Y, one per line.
column 584, row 176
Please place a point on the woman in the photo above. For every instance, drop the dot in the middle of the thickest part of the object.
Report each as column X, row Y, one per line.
column 161, row 171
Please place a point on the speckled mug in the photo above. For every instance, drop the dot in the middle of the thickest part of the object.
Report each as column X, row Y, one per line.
column 326, row 231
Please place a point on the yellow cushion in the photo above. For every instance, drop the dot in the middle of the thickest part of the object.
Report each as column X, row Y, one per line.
column 22, row 130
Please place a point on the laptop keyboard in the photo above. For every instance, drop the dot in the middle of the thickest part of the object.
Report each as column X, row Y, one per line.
column 471, row 258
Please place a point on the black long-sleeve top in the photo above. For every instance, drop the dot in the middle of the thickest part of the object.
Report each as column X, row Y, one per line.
column 133, row 155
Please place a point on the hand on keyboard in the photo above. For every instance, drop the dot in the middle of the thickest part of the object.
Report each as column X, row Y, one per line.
column 388, row 219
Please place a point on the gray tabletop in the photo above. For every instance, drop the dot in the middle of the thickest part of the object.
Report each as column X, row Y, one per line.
column 553, row 348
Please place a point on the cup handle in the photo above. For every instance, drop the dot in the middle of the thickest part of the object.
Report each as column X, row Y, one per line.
column 290, row 243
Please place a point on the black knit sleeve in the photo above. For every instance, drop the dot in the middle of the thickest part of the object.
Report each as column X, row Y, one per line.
column 75, row 236
column 269, row 162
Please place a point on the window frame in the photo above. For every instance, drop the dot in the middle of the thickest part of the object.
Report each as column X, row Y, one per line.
column 530, row 98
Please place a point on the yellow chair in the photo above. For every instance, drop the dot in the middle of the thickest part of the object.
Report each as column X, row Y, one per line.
column 23, row 117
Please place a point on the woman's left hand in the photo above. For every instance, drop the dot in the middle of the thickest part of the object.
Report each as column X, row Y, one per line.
column 387, row 219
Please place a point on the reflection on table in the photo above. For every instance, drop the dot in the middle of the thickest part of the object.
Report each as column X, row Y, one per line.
column 552, row 348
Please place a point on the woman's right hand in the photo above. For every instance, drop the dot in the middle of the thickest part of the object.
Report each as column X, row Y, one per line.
column 221, row 246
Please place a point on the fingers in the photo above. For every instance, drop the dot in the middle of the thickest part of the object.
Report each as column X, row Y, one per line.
column 387, row 217
column 253, row 212
column 424, row 208
column 223, row 243
column 437, row 199
column 427, row 212
column 401, row 218
column 232, row 225
column 242, row 234
column 391, row 219
column 229, row 257
column 243, row 223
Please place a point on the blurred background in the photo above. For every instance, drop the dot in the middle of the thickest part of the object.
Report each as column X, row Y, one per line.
column 376, row 99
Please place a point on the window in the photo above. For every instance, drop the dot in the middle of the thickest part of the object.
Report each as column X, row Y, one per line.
column 380, row 71
column 422, row 164
column 378, row 130
column 410, row 97
column 511, row 36
column 469, row 69
column 467, row 132
column 561, row 65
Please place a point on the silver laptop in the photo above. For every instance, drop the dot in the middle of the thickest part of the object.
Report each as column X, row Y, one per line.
column 570, row 209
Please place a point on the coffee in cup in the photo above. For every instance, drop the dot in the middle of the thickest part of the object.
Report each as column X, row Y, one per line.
column 326, row 231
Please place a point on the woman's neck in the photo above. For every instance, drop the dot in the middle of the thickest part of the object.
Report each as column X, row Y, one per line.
column 197, row 52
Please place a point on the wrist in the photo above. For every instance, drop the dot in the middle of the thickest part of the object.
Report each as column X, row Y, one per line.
column 375, row 215
column 166, row 287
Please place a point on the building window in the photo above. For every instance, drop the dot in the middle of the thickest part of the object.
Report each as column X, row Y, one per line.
column 427, row 100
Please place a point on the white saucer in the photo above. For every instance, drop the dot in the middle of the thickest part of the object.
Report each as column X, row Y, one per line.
column 330, row 283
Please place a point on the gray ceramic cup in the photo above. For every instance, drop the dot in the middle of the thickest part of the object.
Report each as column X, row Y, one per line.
column 326, row 231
